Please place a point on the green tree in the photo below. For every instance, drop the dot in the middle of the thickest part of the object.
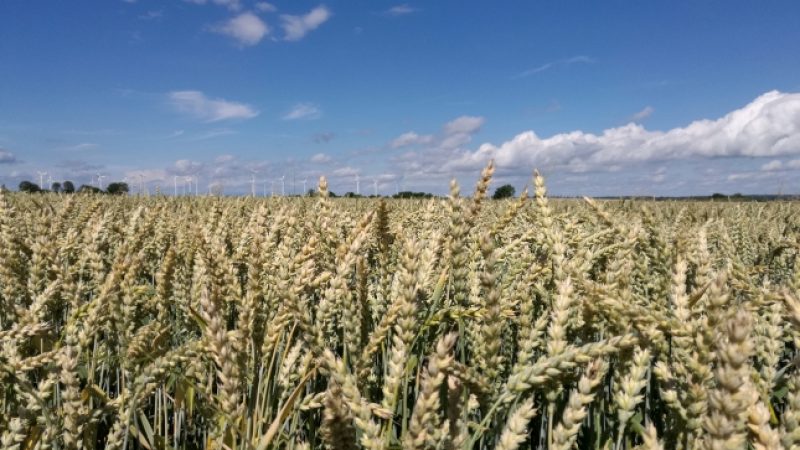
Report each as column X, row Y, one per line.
column 56, row 187
column 28, row 186
column 68, row 187
column 90, row 189
column 504, row 191
column 117, row 188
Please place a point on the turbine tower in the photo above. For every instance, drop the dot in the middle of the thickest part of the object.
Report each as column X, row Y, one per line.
column 41, row 178
column 253, row 182
column 358, row 186
column 305, row 180
column 175, row 185
column 283, row 186
column 375, row 184
column 100, row 181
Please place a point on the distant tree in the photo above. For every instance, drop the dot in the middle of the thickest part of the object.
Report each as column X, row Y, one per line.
column 30, row 187
column 117, row 188
column 332, row 194
column 89, row 189
column 504, row 191
column 56, row 187
column 410, row 194
column 718, row 196
column 68, row 187
column 311, row 193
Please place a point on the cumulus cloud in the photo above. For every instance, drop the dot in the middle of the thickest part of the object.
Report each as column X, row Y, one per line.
column 265, row 7
column 778, row 165
column 196, row 104
column 458, row 132
column 6, row 157
column 296, row 27
column 411, row 138
column 580, row 59
column 464, row 125
column 321, row 158
column 400, row 10
column 246, row 28
column 643, row 114
column 303, row 111
column 767, row 127
column 455, row 134
column 186, row 167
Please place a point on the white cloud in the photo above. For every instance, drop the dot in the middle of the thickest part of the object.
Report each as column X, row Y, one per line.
column 247, row 28
column 303, row 111
column 777, row 165
column 580, row 59
column 768, row 126
column 411, row 138
column 400, row 10
column 464, row 125
column 346, row 171
column 6, row 157
column 643, row 114
column 458, row 132
column 186, row 167
column 296, row 27
column 321, row 158
column 233, row 5
column 226, row 158
column 265, row 7
column 196, row 104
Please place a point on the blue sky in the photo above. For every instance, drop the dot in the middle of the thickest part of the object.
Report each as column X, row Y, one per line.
column 609, row 97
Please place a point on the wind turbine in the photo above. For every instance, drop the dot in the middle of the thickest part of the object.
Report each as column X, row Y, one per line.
column 283, row 186
column 358, row 186
column 375, row 184
column 175, row 186
column 189, row 181
column 100, row 181
column 253, row 182
column 41, row 178
column 305, row 180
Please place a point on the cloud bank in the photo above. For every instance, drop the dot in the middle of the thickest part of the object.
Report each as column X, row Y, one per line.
column 769, row 126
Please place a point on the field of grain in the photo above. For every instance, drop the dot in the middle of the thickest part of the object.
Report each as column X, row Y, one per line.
column 456, row 323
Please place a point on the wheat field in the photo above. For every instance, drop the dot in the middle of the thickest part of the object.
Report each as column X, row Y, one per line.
column 455, row 323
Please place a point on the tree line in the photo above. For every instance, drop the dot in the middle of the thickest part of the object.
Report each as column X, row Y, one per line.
column 68, row 187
